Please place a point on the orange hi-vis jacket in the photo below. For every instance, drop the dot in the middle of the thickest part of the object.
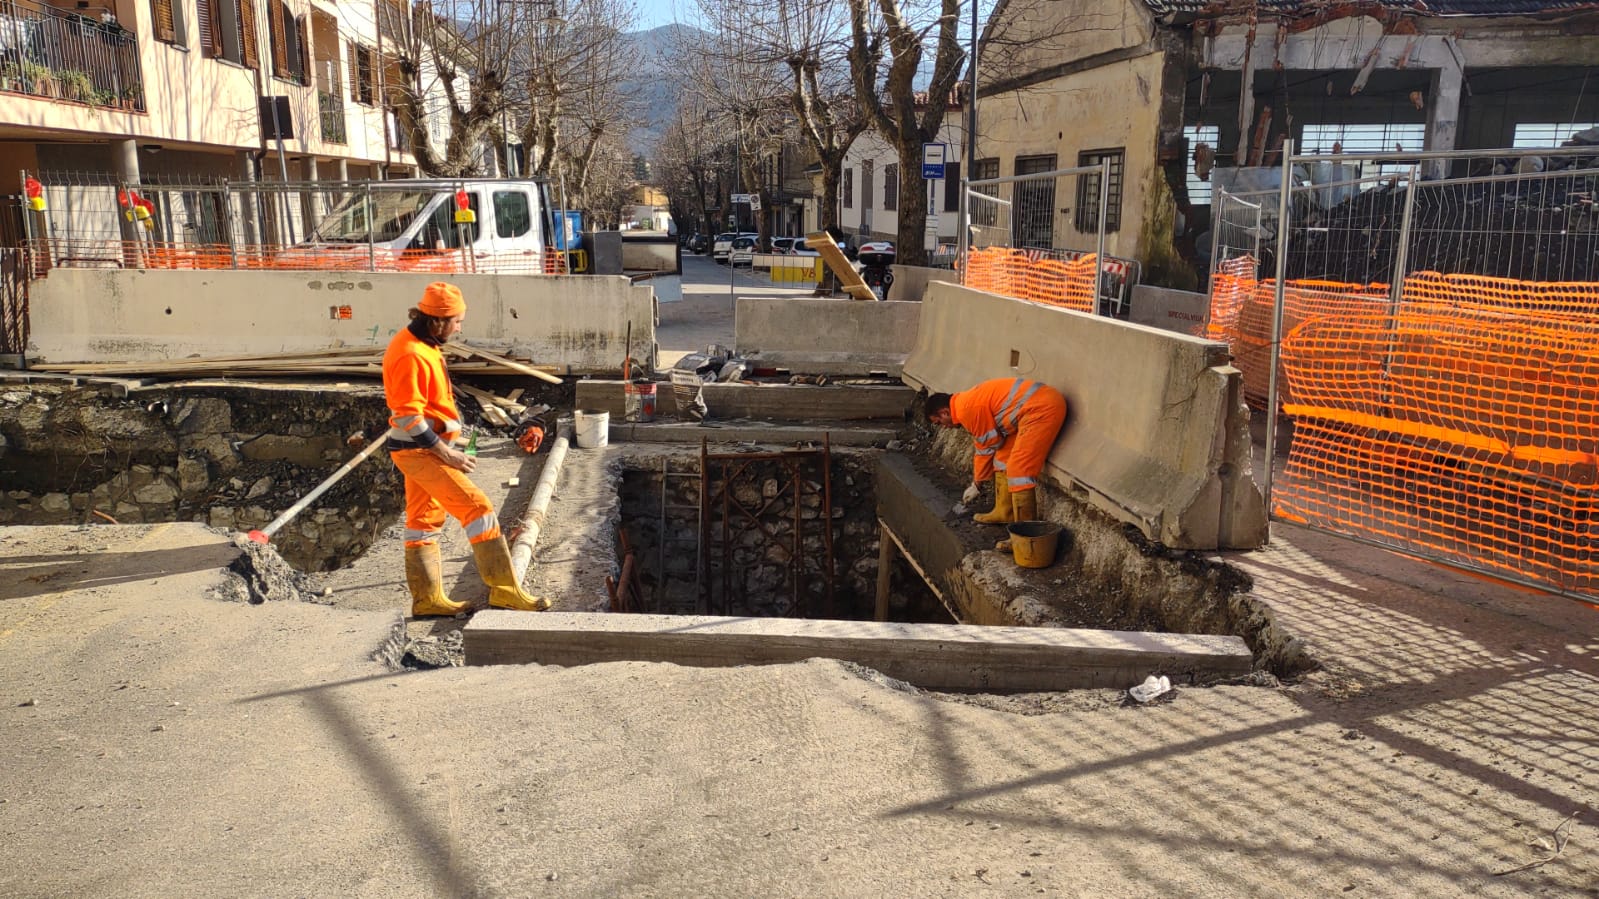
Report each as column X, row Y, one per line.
column 1013, row 423
column 417, row 388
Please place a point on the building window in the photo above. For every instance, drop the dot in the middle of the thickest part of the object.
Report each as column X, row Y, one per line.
column 288, row 42
column 1199, row 188
column 1535, row 135
column 985, row 169
column 866, row 186
column 1400, row 137
column 952, row 186
column 1033, row 219
column 1088, row 191
column 227, row 30
column 847, row 189
column 167, row 17
column 890, row 187
column 363, row 75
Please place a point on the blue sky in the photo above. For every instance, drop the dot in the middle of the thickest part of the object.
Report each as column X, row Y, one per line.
column 655, row 13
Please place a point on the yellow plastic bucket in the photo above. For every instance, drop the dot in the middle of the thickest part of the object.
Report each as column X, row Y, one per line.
column 1033, row 543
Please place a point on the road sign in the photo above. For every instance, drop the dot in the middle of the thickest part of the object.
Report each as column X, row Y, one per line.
column 741, row 198
column 755, row 202
column 933, row 160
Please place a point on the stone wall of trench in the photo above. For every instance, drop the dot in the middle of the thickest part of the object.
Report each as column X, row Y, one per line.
column 229, row 457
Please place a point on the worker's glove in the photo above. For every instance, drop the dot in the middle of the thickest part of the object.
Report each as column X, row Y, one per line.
column 972, row 493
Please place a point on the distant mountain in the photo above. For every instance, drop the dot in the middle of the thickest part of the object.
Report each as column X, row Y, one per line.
column 655, row 81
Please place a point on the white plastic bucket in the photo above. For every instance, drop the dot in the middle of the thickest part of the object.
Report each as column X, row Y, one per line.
column 592, row 427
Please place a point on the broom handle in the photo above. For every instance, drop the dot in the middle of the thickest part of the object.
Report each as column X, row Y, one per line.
column 322, row 488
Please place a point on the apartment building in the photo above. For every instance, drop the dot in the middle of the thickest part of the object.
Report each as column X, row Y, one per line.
column 185, row 90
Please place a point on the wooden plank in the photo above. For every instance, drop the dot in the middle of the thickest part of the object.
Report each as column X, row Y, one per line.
column 933, row 656
column 501, row 360
column 848, row 277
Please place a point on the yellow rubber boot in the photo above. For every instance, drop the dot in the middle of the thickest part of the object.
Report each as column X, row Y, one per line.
column 505, row 591
column 424, row 575
column 1024, row 503
column 1002, row 503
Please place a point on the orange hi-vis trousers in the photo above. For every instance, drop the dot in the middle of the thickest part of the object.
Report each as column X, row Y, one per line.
column 434, row 491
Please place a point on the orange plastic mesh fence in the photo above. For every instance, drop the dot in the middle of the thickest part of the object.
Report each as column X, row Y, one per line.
column 1462, row 425
column 107, row 253
column 1241, row 312
column 1015, row 273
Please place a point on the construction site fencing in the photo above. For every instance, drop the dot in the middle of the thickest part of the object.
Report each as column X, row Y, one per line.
column 83, row 220
column 1017, row 239
column 1434, row 347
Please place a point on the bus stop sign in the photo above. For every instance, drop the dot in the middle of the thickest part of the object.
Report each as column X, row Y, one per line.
column 933, row 161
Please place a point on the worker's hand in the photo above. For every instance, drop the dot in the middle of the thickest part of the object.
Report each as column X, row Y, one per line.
column 454, row 458
column 973, row 491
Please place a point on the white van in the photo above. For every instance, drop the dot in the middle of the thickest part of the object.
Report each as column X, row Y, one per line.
column 410, row 225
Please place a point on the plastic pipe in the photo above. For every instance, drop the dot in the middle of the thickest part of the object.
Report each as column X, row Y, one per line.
column 265, row 534
column 533, row 518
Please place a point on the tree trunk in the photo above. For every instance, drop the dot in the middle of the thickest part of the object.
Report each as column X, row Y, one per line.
column 827, row 213
column 909, row 248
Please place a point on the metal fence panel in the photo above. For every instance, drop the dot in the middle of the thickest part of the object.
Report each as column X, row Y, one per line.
column 1437, row 355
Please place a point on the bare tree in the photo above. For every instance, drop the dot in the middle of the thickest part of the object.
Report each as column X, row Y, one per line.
column 551, row 75
column 812, row 38
column 742, row 89
column 686, row 163
column 886, row 52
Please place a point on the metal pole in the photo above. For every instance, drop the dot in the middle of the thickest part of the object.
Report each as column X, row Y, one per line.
column 1277, row 317
column 971, row 147
column 1218, row 213
column 371, row 247
column 1402, row 255
column 1104, row 215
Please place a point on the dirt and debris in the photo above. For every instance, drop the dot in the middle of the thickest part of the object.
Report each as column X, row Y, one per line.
column 260, row 575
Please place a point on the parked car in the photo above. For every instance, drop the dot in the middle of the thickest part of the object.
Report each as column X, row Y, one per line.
column 699, row 243
column 724, row 245
column 742, row 249
column 786, row 246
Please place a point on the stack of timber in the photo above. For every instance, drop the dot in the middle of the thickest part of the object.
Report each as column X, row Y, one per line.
column 344, row 362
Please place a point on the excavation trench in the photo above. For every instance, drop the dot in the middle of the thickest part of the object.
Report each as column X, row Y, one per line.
column 774, row 531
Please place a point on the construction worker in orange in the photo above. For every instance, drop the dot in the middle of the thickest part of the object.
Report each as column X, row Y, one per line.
column 423, row 412
column 1013, row 423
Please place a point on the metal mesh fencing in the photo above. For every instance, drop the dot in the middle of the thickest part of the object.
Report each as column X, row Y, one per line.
column 86, row 220
column 1439, row 353
column 1018, row 238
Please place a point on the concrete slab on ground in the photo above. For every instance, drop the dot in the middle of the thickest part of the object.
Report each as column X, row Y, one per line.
column 953, row 657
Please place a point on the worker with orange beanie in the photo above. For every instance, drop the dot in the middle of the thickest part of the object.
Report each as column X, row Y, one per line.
column 423, row 413
column 1013, row 423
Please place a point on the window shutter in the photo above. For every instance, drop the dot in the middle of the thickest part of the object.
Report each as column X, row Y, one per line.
column 161, row 11
column 247, row 32
column 280, row 56
column 302, row 59
column 206, row 24
column 355, row 73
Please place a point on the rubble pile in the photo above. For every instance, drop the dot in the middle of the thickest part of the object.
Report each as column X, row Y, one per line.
column 1534, row 229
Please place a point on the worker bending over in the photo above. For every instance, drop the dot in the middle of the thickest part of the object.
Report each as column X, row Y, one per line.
column 1013, row 423
column 423, row 413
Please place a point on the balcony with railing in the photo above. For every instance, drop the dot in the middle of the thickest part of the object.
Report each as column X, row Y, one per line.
column 65, row 55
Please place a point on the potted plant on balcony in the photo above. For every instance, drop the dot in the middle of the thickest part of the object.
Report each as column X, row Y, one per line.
column 38, row 79
column 11, row 78
column 132, row 96
column 75, row 85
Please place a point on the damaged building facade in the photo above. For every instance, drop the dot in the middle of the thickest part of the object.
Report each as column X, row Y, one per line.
column 1174, row 94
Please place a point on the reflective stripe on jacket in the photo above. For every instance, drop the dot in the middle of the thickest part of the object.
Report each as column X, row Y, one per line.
column 417, row 389
column 990, row 412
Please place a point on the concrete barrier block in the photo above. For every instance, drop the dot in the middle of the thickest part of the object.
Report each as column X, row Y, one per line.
column 910, row 281
column 578, row 322
column 1153, row 434
column 825, row 336
column 770, row 402
column 1182, row 311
